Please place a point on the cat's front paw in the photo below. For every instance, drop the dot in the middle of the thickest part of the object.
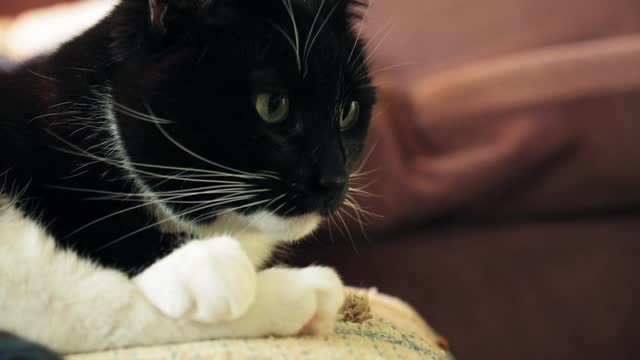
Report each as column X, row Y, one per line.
column 206, row 281
column 329, row 292
column 300, row 300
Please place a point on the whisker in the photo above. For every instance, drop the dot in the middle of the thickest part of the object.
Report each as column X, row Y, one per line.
column 252, row 222
column 357, row 217
column 346, row 228
column 384, row 29
column 330, row 232
column 195, row 190
column 163, row 196
column 126, row 166
column 362, row 193
column 226, row 211
column 190, row 152
column 286, row 36
column 360, row 175
column 289, row 8
column 334, row 222
column 375, row 49
column 366, row 158
column 364, row 19
column 391, row 67
column 62, row 113
column 313, row 25
column 171, row 218
column 322, row 26
column 145, row 204
column 354, row 205
column 138, row 115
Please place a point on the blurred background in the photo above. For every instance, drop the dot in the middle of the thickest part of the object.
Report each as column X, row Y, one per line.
column 502, row 188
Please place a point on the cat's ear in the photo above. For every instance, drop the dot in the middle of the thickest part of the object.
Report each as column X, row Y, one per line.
column 168, row 14
column 157, row 13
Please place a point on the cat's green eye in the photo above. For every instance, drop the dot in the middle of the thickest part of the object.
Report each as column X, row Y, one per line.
column 350, row 116
column 272, row 108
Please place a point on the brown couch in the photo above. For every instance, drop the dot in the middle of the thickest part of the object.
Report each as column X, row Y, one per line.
column 509, row 174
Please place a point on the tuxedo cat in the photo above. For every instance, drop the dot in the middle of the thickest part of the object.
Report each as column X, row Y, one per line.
column 150, row 167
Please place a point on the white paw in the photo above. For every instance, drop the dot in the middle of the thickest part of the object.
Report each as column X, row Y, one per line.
column 294, row 301
column 329, row 291
column 205, row 281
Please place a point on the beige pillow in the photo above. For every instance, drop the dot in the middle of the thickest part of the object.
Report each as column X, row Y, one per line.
column 395, row 331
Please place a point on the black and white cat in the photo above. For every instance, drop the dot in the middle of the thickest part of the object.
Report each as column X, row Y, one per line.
column 150, row 166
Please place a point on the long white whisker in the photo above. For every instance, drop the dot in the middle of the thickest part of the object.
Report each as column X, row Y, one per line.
column 289, row 8
column 286, row 36
column 391, row 67
column 122, row 164
column 322, row 26
column 354, row 205
column 145, row 204
column 346, row 227
column 127, row 166
column 361, row 175
column 171, row 218
column 361, row 193
column 366, row 158
column 388, row 25
column 375, row 49
column 223, row 189
column 190, row 152
column 138, row 115
column 313, row 25
column 364, row 19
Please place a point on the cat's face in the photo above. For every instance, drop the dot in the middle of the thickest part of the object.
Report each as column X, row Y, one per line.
column 260, row 106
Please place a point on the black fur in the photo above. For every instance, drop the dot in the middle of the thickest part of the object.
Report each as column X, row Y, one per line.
column 199, row 65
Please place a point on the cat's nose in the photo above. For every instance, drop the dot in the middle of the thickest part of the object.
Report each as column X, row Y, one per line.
column 332, row 183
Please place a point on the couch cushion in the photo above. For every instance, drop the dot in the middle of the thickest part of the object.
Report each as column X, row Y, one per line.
column 394, row 332
column 509, row 109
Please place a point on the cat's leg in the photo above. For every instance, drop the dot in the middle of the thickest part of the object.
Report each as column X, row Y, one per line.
column 69, row 304
column 212, row 281
column 311, row 296
column 205, row 280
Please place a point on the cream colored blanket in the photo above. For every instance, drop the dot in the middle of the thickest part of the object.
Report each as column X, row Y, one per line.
column 395, row 331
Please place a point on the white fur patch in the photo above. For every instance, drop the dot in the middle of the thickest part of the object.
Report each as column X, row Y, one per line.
column 285, row 229
column 257, row 233
column 208, row 280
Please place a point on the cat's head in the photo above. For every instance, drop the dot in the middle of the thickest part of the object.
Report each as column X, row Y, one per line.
column 260, row 107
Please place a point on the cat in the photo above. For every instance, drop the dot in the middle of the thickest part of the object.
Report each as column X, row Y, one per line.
column 150, row 167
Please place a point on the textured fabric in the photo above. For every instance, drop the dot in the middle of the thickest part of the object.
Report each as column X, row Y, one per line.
column 394, row 332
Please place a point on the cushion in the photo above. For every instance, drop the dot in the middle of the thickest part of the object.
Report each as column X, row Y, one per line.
column 534, row 115
column 394, row 331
